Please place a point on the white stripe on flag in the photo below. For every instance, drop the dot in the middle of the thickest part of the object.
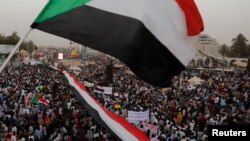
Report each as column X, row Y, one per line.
column 164, row 18
column 88, row 84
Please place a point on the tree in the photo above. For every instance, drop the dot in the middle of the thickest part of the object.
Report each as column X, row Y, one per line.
column 248, row 51
column 2, row 39
column 28, row 46
column 12, row 39
column 224, row 50
column 239, row 46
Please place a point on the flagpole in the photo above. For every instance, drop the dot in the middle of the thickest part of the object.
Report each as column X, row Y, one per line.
column 14, row 50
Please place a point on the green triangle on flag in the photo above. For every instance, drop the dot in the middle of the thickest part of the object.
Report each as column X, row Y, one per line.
column 56, row 7
column 34, row 99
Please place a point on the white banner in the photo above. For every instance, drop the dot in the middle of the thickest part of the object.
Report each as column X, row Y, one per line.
column 153, row 129
column 136, row 117
column 116, row 94
column 107, row 90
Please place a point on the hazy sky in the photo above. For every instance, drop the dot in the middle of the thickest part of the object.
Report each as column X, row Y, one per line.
column 223, row 19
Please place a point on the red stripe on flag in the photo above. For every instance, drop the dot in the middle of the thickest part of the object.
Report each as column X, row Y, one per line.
column 42, row 100
column 193, row 18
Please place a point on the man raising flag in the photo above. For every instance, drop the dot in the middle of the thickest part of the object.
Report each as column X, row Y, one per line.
column 39, row 99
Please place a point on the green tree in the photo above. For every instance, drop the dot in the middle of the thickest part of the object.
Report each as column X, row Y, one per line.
column 2, row 39
column 224, row 50
column 28, row 46
column 239, row 46
column 248, row 51
column 12, row 39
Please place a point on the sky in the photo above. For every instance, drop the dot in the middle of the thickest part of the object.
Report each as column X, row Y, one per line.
column 223, row 20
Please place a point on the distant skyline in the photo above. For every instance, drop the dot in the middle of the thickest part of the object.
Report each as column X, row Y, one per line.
column 223, row 19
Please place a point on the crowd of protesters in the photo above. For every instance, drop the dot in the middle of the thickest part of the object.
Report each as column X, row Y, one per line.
column 180, row 112
column 63, row 119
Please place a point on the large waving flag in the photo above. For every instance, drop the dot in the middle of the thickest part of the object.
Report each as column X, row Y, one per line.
column 154, row 38
column 114, row 123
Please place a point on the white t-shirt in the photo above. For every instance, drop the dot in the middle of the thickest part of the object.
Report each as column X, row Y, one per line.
column 13, row 138
column 216, row 100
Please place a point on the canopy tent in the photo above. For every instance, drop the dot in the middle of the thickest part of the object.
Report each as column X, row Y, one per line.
column 36, row 54
column 24, row 56
column 195, row 80
column 24, row 53
column 74, row 54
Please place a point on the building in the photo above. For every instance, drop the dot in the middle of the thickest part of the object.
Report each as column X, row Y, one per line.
column 208, row 45
column 211, row 47
column 5, row 50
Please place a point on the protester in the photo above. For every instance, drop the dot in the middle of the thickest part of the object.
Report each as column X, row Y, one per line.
column 180, row 113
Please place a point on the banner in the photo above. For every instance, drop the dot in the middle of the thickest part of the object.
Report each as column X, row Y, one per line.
column 116, row 94
column 153, row 129
column 107, row 90
column 136, row 117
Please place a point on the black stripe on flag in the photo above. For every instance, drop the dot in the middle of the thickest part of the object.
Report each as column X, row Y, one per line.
column 132, row 43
